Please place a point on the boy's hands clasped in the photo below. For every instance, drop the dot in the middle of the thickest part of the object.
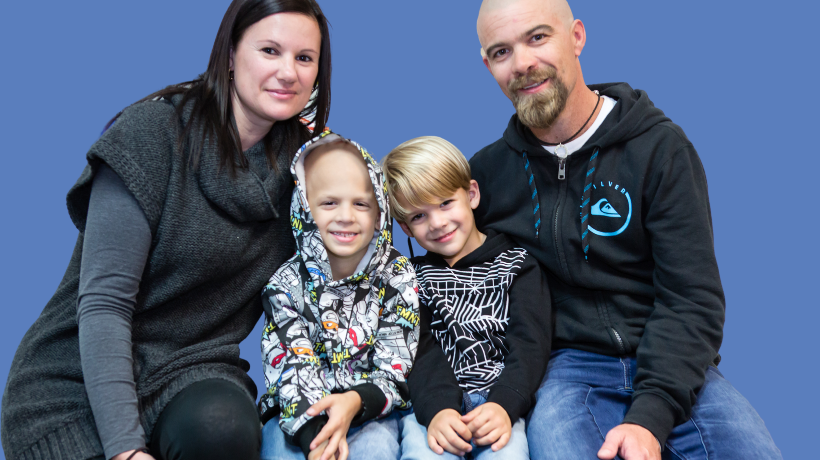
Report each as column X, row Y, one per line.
column 486, row 424
column 489, row 424
column 447, row 432
column 331, row 442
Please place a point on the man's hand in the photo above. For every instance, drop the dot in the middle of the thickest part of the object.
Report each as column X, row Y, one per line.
column 447, row 432
column 631, row 442
column 138, row 456
column 490, row 424
column 340, row 408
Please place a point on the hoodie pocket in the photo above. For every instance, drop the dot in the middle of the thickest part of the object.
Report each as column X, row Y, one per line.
column 613, row 330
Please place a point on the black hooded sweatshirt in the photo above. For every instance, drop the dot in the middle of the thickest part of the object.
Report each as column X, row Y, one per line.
column 648, row 284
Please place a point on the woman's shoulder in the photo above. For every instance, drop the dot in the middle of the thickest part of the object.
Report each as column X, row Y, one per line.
column 141, row 147
column 144, row 135
column 149, row 121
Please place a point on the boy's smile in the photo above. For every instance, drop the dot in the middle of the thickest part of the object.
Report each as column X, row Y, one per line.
column 446, row 227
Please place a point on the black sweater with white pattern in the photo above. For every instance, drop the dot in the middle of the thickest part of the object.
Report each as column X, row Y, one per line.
column 485, row 326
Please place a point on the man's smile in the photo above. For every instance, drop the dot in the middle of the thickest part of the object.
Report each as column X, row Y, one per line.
column 534, row 87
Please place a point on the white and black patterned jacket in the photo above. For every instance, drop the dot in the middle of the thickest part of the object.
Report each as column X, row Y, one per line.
column 485, row 326
column 328, row 336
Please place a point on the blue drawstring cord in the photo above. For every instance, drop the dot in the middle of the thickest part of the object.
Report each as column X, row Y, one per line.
column 536, row 207
column 585, row 203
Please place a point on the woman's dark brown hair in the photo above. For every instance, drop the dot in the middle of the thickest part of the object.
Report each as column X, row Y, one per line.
column 211, row 117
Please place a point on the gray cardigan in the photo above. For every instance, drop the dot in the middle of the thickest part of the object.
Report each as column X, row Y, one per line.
column 215, row 241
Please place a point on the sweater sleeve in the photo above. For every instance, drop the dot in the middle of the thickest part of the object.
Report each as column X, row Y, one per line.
column 433, row 385
column 116, row 243
column 293, row 373
column 530, row 337
column 394, row 345
column 683, row 334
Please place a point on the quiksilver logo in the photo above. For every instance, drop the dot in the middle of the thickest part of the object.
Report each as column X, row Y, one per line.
column 610, row 215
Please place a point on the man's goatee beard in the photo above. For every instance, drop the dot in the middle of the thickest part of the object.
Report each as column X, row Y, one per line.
column 539, row 110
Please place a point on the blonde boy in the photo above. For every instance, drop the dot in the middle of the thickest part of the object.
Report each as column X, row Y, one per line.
column 485, row 320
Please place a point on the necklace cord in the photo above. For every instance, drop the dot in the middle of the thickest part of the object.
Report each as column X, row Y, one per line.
column 597, row 102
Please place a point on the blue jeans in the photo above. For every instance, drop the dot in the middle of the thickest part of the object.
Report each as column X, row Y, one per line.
column 414, row 439
column 584, row 395
column 375, row 439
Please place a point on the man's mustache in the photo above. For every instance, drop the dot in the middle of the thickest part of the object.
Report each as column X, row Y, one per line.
column 534, row 76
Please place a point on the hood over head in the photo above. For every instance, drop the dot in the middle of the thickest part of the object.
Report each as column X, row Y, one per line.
column 309, row 245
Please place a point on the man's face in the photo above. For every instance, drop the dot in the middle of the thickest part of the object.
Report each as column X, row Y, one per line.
column 531, row 50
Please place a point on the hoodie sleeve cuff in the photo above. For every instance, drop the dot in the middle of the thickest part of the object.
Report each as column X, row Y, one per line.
column 308, row 432
column 373, row 401
column 511, row 400
column 427, row 408
column 653, row 413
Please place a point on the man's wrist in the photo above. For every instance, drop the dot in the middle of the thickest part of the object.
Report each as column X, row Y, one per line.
column 660, row 446
column 653, row 413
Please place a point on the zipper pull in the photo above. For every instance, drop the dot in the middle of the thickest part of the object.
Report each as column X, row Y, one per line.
column 562, row 169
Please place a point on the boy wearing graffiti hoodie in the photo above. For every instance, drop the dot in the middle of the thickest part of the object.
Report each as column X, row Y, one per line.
column 342, row 314
column 485, row 319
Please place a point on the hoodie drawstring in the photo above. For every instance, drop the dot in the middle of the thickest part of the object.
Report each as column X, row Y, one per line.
column 585, row 206
column 536, row 206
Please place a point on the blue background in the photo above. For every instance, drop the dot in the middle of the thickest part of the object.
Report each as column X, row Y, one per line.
column 737, row 76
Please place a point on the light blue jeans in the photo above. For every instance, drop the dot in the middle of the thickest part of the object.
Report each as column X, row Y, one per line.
column 584, row 395
column 376, row 439
column 414, row 439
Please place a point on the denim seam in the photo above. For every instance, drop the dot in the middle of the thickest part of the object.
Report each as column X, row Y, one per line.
column 675, row 451
column 700, row 435
column 593, row 415
column 627, row 383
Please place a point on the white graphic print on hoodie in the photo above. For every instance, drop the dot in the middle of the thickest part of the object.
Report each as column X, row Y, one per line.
column 323, row 336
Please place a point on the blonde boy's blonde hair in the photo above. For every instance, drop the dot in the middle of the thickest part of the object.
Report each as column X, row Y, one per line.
column 422, row 171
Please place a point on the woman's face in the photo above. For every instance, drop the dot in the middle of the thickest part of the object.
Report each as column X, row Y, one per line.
column 274, row 66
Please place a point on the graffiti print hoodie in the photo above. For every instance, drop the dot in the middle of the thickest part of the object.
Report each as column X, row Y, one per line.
column 323, row 336
column 634, row 201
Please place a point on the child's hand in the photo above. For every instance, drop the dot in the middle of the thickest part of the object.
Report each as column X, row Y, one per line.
column 317, row 452
column 489, row 424
column 447, row 432
column 340, row 408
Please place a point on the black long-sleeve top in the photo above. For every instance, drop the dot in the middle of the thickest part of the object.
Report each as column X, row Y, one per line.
column 485, row 326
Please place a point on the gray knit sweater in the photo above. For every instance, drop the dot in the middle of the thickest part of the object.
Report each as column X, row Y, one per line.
column 215, row 241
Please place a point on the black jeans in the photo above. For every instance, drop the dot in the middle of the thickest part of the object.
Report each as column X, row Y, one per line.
column 211, row 419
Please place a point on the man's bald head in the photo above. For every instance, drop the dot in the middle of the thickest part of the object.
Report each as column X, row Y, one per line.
column 559, row 8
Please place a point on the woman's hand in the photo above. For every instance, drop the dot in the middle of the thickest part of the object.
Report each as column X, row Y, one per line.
column 447, row 432
column 340, row 408
column 138, row 456
column 490, row 424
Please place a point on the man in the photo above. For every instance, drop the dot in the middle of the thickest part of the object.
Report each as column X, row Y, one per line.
column 610, row 196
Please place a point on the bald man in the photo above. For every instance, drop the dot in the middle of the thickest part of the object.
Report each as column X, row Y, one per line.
column 610, row 196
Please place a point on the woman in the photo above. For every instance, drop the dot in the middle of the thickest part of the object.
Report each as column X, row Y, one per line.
column 183, row 215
